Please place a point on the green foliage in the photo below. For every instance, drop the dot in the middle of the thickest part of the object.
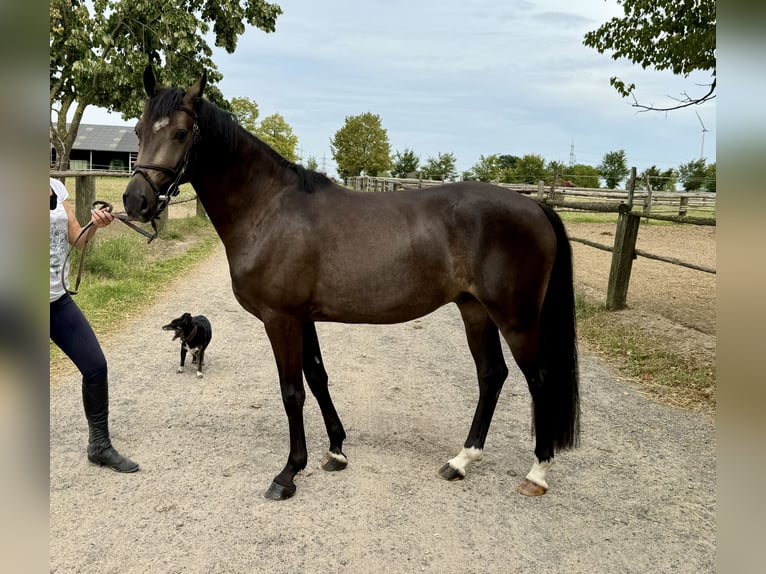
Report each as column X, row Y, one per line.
column 656, row 180
column 664, row 35
column 273, row 130
column 557, row 170
column 506, row 161
column 405, row 163
column 276, row 132
column 361, row 145
column 486, row 169
column 311, row 163
column 693, row 175
column 98, row 52
column 584, row 176
column 529, row 169
column 441, row 167
column 710, row 180
column 614, row 168
column 246, row 112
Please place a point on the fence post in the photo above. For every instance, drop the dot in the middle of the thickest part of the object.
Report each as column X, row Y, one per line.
column 622, row 259
column 85, row 195
column 631, row 187
column 683, row 206
column 540, row 191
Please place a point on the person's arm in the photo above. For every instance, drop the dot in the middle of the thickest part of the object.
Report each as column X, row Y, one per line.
column 99, row 218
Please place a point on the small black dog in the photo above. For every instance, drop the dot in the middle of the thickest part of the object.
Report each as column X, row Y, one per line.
column 195, row 334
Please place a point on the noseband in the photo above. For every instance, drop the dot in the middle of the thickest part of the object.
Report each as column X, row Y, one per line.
column 176, row 173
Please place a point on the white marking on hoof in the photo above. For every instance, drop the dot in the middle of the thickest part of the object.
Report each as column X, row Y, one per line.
column 159, row 124
column 539, row 471
column 466, row 457
column 199, row 374
column 180, row 370
column 339, row 457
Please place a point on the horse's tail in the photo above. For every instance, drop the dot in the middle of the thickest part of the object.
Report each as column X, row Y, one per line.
column 559, row 346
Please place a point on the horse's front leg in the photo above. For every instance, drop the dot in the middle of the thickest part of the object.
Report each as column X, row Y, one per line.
column 316, row 376
column 285, row 336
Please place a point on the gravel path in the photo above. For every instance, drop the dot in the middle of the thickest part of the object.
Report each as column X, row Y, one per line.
column 637, row 496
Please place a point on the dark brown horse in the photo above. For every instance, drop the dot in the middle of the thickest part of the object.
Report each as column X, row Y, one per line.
column 302, row 249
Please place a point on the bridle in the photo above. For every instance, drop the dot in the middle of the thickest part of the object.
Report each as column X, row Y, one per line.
column 163, row 198
column 176, row 173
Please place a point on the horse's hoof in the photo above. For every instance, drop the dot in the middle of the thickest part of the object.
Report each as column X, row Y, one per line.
column 449, row 473
column 334, row 462
column 278, row 492
column 199, row 375
column 529, row 488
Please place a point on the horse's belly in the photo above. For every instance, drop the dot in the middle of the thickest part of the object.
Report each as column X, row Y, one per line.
column 383, row 302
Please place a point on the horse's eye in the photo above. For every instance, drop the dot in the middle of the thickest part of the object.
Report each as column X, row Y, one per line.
column 180, row 135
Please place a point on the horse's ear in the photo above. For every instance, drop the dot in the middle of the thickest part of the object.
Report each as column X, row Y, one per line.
column 150, row 82
column 194, row 94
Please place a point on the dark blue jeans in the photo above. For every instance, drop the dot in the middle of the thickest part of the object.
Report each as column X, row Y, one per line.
column 72, row 333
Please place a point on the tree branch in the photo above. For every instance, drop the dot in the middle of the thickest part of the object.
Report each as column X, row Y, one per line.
column 684, row 103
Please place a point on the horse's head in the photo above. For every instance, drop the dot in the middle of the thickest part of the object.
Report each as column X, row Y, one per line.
column 166, row 133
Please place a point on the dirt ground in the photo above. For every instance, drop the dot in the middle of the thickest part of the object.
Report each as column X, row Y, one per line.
column 637, row 496
column 676, row 304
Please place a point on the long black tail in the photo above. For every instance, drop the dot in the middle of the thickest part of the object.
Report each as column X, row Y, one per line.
column 559, row 342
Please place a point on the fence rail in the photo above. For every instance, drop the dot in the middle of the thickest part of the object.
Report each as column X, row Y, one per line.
column 651, row 202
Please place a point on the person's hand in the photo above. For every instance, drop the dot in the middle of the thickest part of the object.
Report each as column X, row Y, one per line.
column 101, row 218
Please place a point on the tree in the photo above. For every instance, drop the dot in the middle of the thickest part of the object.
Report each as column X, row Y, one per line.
column 710, row 178
column 99, row 49
column 693, row 175
column 664, row 35
column 583, row 175
column 276, row 132
column 361, row 145
column 613, row 168
column 658, row 180
column 440, row 167
column 529, row 169
column 486, row 169
column 506, row 161
column 246, row 112
column 558, row 171
column 405, row 163
column 311, row 163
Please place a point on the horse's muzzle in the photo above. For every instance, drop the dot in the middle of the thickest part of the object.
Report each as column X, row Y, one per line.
column 139, row 200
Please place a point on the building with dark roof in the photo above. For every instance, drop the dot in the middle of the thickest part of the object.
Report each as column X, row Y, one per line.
column 98, row 147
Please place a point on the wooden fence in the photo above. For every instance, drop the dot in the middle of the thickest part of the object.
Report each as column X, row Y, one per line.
column 632, row 205
column 85, row 193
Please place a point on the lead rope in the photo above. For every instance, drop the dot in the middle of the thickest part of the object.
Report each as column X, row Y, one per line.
column 103, row 206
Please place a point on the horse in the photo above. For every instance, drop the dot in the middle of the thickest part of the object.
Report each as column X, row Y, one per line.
column 302, row 249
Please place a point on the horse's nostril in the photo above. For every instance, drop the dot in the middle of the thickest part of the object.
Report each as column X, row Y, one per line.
column 144, row 205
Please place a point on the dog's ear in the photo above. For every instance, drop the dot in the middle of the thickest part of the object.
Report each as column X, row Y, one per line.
column 186, row 316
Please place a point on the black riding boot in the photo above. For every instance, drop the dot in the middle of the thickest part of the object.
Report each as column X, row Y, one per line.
column 95, row 399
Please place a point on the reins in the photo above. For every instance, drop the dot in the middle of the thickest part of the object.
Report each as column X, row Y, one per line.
column 103, row 206
column 163, row 198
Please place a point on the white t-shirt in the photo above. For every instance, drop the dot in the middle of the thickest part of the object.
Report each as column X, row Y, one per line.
column 59, row 240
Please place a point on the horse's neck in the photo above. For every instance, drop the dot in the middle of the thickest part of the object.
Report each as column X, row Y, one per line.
column 238, row 182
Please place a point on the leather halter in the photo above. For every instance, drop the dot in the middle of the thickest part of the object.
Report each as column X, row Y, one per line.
column 176, row 173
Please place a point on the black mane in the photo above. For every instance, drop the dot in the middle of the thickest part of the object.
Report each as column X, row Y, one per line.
column 219, row 124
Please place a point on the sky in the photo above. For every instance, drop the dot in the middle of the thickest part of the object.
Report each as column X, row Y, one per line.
column 470, row 78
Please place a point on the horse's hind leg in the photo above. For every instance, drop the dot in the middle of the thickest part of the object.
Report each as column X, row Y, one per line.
column 525, row 345
column 484, row 342
column 316, row 376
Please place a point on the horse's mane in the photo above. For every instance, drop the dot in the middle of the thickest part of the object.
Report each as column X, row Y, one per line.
column 222, row 125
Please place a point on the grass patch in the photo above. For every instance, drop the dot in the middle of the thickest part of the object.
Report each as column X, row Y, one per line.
column 122, row 276
column 644, row 359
